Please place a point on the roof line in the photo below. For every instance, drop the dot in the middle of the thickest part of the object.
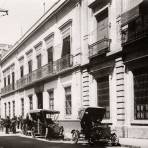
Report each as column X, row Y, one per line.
column 34, row 27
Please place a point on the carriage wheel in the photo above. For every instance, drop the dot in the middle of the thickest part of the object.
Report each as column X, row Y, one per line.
column 75, row 137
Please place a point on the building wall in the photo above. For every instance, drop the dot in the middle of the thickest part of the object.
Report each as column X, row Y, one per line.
column 70, row 14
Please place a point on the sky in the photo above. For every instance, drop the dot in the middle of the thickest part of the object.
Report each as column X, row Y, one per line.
column 22, row 14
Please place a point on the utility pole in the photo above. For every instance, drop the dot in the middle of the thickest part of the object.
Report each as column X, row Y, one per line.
column 4, row 12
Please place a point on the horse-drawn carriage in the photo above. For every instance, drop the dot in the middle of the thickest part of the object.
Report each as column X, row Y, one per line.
column 92, row 129
column 45, row 124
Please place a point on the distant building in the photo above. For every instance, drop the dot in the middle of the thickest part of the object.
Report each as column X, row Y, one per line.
column 4, row 48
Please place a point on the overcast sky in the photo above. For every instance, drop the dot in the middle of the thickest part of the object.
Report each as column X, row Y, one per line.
column 22, row 15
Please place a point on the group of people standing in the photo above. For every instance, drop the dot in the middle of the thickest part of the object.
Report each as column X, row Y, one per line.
column 11, row 125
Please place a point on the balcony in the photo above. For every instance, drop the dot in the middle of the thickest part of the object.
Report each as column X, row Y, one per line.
column 49, row 70
column 134, row 24
column 95, row 3
column 100, row 47
column 8, row 89
column 129, row 16
column 46, row 71
column 130, row 37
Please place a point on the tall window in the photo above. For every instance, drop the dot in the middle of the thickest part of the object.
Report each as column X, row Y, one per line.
column 4, row 81
column 13, row 106
column 13, row 79
column 8, row 79
column 66, row 46
column 9, row 107
column 5, row 109
column 141, row 94
column 50, row 54
column 51, row 99
column 21, row 71
column 40, row 100
column 30, row 66
column 22, row 107
column 103, row 94
column 66, row 35
column 30, row 102
column 102, row 25
column 39, row 61
column 68, row 102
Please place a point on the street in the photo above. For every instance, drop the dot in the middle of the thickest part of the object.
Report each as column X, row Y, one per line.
column 23, row 142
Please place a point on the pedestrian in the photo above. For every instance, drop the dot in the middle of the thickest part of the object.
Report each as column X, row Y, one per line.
column 7, row 124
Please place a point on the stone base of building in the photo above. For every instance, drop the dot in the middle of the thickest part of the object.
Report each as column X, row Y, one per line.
column 140, row 132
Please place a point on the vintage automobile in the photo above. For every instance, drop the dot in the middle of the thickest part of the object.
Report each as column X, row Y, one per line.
column 92, row 129
column 46, row 124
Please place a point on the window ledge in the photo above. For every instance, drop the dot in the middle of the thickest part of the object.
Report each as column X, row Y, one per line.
column 107, row 121
column 67, row 117
column 139, row 122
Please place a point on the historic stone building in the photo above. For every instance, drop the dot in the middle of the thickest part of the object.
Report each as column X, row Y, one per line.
column 82, row 53
column 42, row 70
column 117, row 36
column 134, row 29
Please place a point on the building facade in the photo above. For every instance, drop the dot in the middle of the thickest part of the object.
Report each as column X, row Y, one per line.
column 82, row 53
column 43, row 68
column 4, row 48
column 117, row 68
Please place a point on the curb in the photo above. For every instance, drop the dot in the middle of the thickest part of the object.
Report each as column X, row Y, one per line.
column 130, row 146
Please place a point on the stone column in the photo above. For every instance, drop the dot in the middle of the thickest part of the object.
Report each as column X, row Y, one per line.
column 120, row 96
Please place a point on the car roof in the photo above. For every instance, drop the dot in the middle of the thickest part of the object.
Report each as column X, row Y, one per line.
column 95, row 112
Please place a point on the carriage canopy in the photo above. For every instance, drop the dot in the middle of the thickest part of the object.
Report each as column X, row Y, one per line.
column 92, row 114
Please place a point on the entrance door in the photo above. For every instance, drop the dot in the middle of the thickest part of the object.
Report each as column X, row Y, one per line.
column 40, row 100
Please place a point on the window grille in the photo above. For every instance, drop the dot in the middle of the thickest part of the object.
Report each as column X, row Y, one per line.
column 141, row 94
column 103, row 94
column 51, row 99
column 68, row 102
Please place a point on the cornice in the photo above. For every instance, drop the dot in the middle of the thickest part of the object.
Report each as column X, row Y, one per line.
column 52, row 11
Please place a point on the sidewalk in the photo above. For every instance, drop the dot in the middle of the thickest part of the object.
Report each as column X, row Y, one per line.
column 134, row 143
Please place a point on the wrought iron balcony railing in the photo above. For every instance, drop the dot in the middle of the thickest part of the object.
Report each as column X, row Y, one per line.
column 9, row 88
column 99, row 47
column 46, row 71
column 35, row 75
